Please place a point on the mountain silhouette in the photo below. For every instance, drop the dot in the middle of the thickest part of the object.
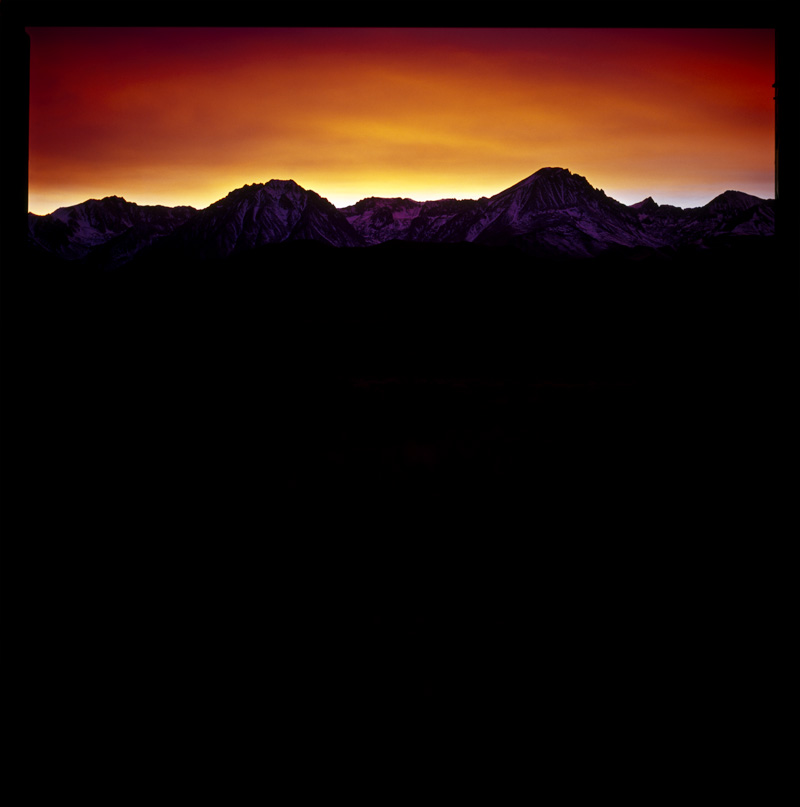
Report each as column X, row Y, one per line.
column 553, row 213
column 111, row 230
column 274, row 212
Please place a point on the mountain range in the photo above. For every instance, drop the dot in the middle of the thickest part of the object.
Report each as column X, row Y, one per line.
column 552, row 213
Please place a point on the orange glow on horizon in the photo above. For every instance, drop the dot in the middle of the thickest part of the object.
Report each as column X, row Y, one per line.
column 183, row 116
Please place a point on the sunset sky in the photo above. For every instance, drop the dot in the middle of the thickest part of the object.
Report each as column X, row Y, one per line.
column 184, row 115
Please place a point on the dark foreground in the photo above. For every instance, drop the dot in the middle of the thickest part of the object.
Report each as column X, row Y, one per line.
column 399, row 452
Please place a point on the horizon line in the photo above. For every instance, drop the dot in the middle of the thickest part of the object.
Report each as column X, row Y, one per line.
column 348, row 203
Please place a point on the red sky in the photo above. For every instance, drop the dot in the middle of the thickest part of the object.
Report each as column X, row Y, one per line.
column 185, row 115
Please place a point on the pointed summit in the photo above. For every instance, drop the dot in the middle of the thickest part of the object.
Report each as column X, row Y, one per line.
column 542, row 175
column 646, row 205
column 273, row 188
column 549, row 189
column 551, row 172
column 733, row 200
column 557, row 212
column 265, row 213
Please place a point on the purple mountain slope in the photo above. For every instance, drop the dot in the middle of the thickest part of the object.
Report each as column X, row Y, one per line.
column 442, row 221
column 732, row 212
column 557, row 212
column 552, row 212
column 255, row 215
column 112, row 225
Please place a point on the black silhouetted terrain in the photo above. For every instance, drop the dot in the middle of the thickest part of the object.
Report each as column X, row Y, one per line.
column 391, row 372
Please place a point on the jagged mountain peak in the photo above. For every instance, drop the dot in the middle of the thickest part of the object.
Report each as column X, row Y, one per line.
column 107, row 202
column 554, row 172
column 272, row 188
column 114, row 212
column 549, row 188
column 113, row 224
column 371, row 202
column 550, row 172
column 283, row 192
column 552, row 175
column 111, row 205
column 264, row 213
column 646, row 204
column 114, row 199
